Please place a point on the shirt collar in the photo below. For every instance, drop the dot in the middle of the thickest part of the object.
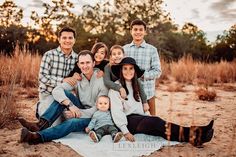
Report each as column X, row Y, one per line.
column 143, row 44
column 73, row 54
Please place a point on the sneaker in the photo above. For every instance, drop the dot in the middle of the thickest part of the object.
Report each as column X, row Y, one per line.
column 93, row 136
column 117, row 137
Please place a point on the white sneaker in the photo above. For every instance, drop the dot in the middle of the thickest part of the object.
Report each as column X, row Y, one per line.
column 117, row 137
column 93, row 136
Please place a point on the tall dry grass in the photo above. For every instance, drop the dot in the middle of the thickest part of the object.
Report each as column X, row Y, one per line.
column 20, row 70
column 186, row 70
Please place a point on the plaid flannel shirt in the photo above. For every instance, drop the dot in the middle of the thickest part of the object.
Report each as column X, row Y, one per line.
column 147, row 58
column 53, row 68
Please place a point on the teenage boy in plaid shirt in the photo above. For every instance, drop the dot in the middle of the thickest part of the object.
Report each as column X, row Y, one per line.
column 147, row 59
column 56, row 64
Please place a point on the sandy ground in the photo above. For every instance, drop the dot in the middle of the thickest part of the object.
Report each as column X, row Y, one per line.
column 182, row 107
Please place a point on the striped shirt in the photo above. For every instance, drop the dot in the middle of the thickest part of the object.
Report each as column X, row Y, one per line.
column 147, row 58
column 55, row 65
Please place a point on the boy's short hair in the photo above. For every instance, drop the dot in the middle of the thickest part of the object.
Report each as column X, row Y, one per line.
column 138, row 22
column 66, row 29
column 84, row 53
column 117, row 47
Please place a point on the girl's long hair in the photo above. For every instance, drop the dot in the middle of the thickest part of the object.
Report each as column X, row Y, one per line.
column 134, row 83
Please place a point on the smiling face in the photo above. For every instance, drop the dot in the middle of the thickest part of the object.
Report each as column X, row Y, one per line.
column 116, row 56
column 66, row 41
column 100, row 55
column 103, row 103
column 138, row 32
column 86, row 64
column 128, row 71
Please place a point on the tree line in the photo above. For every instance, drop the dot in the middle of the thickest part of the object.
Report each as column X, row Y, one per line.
column 109, row 22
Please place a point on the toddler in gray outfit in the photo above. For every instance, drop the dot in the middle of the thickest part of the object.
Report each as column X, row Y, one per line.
column 102, row 122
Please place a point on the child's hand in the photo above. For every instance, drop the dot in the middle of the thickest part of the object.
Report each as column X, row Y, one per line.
column 87, row 130
column 100, row 74
column 123, row 93
column 145, row 107
column 77, row 76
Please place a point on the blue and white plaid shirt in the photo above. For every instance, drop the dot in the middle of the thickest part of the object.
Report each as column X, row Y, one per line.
column 53, row 68
column 147, row 58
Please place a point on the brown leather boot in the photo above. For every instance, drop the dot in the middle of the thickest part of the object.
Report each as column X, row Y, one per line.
column 34, row 126
column 30, row 137
column 200, row 135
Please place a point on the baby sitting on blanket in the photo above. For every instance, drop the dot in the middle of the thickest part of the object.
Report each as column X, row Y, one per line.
column 102, row 122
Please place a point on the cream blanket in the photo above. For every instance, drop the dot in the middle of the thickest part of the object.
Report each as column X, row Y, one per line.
column 144, row 145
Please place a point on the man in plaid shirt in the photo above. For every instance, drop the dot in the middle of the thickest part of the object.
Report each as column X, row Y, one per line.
column 56, row 64
column 147, row 59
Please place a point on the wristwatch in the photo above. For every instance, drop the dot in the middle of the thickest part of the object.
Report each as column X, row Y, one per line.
column 69, row 105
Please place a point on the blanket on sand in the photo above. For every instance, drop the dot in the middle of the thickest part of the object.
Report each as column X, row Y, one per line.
column 144, row 145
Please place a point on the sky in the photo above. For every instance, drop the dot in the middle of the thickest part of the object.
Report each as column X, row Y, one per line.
column 211, row 16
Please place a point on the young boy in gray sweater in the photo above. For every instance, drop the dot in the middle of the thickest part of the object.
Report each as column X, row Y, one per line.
column 102, row 122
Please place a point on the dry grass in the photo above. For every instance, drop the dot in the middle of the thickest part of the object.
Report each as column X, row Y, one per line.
column 7, row 103
column 22, row 66
column 19, row 70
column 176, row 88
column 186, row 70
column 206, row 94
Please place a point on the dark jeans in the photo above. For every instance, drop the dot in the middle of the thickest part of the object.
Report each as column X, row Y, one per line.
column 106, row 130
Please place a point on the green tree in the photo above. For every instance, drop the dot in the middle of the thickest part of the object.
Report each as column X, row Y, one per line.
column 10, row 14
column 189, row 40
column 11, row 29
column 114, row 19
column 225, row 47
column 56, row 13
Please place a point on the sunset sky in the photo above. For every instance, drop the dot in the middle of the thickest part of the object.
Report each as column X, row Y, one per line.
column 209, row 15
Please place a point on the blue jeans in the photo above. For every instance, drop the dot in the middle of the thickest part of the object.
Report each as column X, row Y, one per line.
column 63, row 129
column 56, row 109
column 68, row 126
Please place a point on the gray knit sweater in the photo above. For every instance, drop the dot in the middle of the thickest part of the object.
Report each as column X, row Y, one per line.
column 86, row 90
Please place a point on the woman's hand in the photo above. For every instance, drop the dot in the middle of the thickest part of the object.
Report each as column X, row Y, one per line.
column 123, row 93
column 129, row 137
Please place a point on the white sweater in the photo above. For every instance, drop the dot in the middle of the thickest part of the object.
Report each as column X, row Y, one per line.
column 120, row 108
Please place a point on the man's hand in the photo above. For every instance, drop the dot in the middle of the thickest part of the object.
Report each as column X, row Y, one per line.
column 68, row 114
column 72, row 81
column 75, row 111
column 77, row 76
column 100, row 74
column 146, row 107
column 129, row 137
column 123, row 93
column 87, row 130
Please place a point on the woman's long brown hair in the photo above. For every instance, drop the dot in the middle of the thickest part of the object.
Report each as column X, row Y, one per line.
column 134, row 83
